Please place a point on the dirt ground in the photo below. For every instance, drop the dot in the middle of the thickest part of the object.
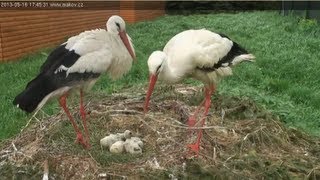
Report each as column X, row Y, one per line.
column 241, row 141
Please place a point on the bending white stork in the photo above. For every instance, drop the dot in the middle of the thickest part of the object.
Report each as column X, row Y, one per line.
column 199, row 54
column 77, row 64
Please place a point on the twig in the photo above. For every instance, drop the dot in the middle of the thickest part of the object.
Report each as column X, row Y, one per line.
column 105, row 175
column 94, row 159
column 144, row 122
column 19, row 152
column 14, row 147
column 29, row 121
column 204, row 127
column 311, row 173
column 223, row 113
column 124, row 112
column 16, row 151
column 231, row 110
column 228, row 159
column 187, row 127
column 44, row 113
column 174, row 120
column 5, row 155
column 214, row 155
column 114, row 112
column 206, row 156
column 246, row 137
column 45, row 170
column 254, row 132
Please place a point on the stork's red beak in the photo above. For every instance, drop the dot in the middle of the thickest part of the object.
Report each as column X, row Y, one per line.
column 124, row 38
column 152, row 82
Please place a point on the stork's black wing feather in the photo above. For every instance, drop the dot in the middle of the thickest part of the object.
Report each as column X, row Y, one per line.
column 37, row 89
column 53, row 57
column 235, row 50
column 48, row 80
column 53, row 76
column 59, row 56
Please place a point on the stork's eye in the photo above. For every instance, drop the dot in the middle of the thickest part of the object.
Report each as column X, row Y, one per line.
column 118, row 25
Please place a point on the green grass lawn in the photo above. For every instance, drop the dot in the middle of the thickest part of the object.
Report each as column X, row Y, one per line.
column 285, row 78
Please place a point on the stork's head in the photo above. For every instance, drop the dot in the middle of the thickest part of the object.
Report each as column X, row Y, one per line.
column 116, row 25
column 155, row 64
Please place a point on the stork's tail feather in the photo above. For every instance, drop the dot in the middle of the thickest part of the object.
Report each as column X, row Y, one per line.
column 243, row 57
column 34, row 93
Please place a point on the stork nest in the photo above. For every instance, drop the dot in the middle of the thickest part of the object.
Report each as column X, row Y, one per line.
column 240, row 140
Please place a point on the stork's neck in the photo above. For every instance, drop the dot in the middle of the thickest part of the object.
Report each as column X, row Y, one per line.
column 121, row 60
column 169, row 74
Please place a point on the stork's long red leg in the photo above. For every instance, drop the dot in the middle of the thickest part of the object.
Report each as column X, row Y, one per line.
column 192, row 119
column 207, row 103
column 83, row 116
column 63, row 104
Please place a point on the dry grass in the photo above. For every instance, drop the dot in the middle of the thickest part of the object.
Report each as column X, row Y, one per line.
column 240, row 140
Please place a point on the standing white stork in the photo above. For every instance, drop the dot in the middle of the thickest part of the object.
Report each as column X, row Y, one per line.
column 77, row 64
column 199, row 54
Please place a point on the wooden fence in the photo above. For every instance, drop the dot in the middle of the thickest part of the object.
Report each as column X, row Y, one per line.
column 25, row 31
column 306, row 9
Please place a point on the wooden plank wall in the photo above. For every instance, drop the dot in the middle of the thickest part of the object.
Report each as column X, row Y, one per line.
column 133, row 11
column 26, row 31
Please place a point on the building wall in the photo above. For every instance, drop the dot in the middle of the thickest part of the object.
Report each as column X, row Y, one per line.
column 26, row 31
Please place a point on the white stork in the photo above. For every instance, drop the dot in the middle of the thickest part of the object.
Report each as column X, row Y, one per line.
column 199, row 54
column 77, row 64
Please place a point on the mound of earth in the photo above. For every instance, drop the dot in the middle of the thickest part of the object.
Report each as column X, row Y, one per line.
column 240, row 140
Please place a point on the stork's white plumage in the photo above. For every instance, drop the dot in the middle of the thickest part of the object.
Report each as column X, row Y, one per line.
column 199, row 54
column 78, row 63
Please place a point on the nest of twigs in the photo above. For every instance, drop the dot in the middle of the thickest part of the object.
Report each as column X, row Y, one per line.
column 240, row 140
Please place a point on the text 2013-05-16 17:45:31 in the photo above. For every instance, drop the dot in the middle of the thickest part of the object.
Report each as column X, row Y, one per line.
column 41, row 4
